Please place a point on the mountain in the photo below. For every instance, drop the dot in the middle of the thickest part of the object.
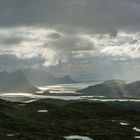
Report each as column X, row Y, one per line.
column 113, row 88
column 134, row 88
column 15, row 82
column 43, row 78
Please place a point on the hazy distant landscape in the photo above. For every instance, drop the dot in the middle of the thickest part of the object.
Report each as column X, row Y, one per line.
column 15, row 86
column 69, row 69
column 67, row 109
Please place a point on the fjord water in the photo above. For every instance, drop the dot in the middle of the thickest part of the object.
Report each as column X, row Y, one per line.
column 57, row 89
column 67, row 89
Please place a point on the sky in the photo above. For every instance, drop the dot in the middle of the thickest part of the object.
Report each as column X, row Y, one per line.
column 86, row 39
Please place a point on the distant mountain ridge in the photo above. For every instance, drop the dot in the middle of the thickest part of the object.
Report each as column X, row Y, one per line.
column 43, row 78
column 15, row 82
column 113, row 88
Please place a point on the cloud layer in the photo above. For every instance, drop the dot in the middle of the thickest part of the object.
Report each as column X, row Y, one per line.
column 71, row 36
column 89, row 15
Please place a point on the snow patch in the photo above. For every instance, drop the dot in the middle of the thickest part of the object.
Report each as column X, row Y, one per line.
column 123, row 123
column 136, row 129
column 42, row 111
column 77, row 137
column 137, row 137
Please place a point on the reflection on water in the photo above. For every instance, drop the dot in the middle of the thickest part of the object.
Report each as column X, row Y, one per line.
column 66, row 88
column 63, row 88
column 114, row 100
column 32, row 97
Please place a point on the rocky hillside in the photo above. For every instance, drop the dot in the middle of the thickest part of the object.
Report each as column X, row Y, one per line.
column 113, row 88
column 38, row 121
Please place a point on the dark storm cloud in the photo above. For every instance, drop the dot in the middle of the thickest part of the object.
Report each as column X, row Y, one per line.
column 11, row 40
column 96, row 15
column 55, row 36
